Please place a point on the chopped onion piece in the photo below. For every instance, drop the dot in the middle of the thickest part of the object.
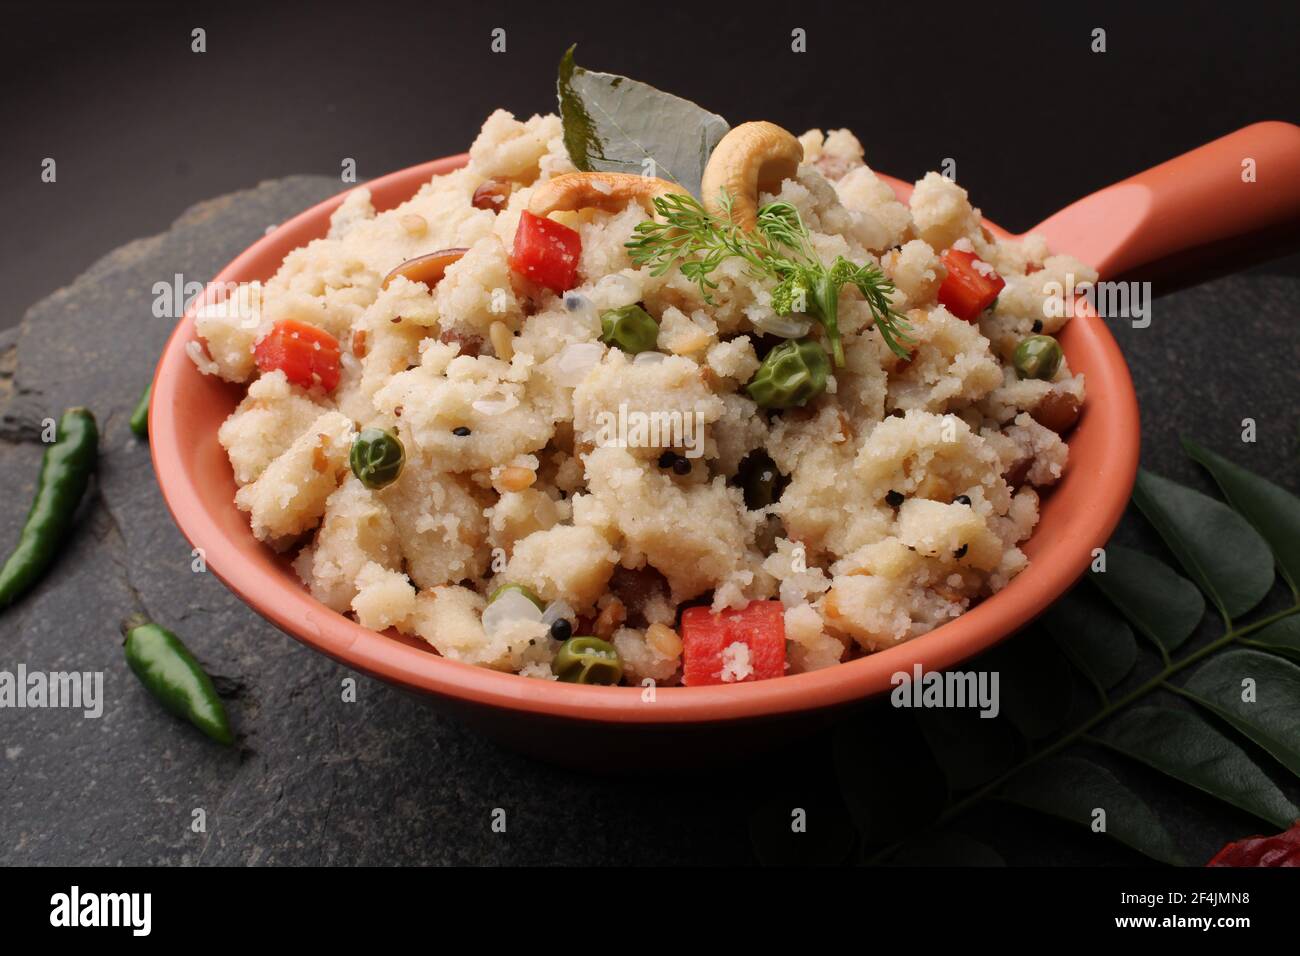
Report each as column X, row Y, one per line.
column 497, row 402
column 199, row 356
column 509, row 607
column 786, row 326
column 558, row 610
column 584, row 309
column 576, row 360
column 624, row 290
column 649, row 358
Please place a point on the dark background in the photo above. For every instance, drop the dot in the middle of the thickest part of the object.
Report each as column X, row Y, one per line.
column 141, row 127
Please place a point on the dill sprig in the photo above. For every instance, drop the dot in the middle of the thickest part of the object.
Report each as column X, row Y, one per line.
column 693, row 240
column 697, row 242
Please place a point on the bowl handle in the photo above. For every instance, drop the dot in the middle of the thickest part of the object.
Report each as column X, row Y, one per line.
column 1224, row 205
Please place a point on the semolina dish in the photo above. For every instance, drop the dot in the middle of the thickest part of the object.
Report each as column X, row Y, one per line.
column 581, row 425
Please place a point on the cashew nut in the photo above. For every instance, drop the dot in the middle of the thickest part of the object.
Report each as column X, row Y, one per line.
column 608, row 191
column 427, row 269
column 752, row 158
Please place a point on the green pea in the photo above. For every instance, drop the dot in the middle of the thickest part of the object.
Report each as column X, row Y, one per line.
column 526, row 592
column 377, row 457
column 521, row 589
column 630, row 328
column 793, row 373
column 1038, row 356
column 587, row 660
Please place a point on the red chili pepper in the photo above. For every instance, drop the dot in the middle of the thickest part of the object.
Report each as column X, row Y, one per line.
column 1280, row 850
column 966, row 292
column 307, row 355
column 546, row 252
column 760, row 626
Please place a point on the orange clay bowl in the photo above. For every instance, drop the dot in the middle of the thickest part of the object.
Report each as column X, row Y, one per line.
column 1196, row 203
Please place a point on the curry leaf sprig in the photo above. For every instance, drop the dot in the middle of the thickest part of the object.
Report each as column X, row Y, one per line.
column 1215, row 712
column 688, row 237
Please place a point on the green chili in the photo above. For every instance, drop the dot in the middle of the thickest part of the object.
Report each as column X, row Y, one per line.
column 140, row 417
column 65, row 472
column 169, row 671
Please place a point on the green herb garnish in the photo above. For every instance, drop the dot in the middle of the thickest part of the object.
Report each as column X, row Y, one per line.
column 697, row 242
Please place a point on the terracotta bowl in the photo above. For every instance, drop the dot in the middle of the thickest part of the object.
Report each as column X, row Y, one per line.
column 1117, row 229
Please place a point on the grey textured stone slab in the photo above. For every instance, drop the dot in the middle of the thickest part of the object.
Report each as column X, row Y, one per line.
column 387, row 780
column 384, row 780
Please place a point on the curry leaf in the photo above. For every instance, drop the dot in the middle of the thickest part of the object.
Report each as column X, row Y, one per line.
column 1075, row 789
column 614, row 124
column 945, row 849
column 1219, row 549
column 1258, row 694
column 823, row 836
column 1185, row 746
column 1274, row 511
column 1162, row 604
column 891, row 781
column 1035, row 683
column 970, row 749
column 1282, row 637
column 886, row 805
column 1093, row 636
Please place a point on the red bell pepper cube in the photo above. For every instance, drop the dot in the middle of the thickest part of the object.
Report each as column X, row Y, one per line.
column 759, row 626
column 546, row 252
column 968, row 290
column 308, row 356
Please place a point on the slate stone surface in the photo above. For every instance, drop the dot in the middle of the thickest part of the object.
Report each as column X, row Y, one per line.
column 386, row 779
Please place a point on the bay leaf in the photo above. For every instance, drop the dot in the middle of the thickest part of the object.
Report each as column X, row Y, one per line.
column 616, row 124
